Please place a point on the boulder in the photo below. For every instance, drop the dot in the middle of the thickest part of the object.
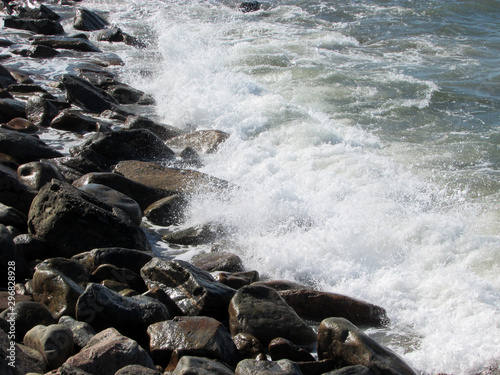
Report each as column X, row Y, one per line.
column 25, row 148
column 192, row 335
column 109, row 351
column 38, row 173
column 87, row 20
column 74, row 122
column 144, row 195
column 260, row 311
column 137, row 370
column 16, row 361
column 134, row 260
column 83, row 94
column 255, row 367
column 126, row 94
column 22, row 125
column 190, row 157
column 14, row 193
column 37, row 26
column 280, row 348
column 195, row 291
column 162, row 131
column 280, row 285
column 343, row 343
column 11, row 108
column 163, row 297
column 27, row 315
column 41, row 52
column 11, row 216
column 167, row 211
column 189, row 365
column 351, row 370
column 6, row 78
column 220, row 261
column 121, row 275
column 69, row 267
column 116, row 199
column 316, row 305
column 173, row 179
column 115, row 34
column 249, row 6
column 82, row 332
column 103, row 308
column 54, row 342
column 197, row 235
column 63, row 42
column 249, row 346
column 237, row 280
column 74, row 167
column 30, row 247
column 202, row 141
column 63, row 216
column 127, row 145
column 37, row 12
column 10, row 260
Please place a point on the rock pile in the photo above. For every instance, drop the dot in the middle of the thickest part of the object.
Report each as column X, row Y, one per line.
column 91, row 297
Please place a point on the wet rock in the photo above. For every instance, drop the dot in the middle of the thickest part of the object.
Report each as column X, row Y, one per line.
column 249, row 346
column 134, row 260
column 73, row 214
column 122, row 275
column 11, row 108
column 137, row 370
column 280, row 348
column 343, row 343
column 22, row 362
column 115, row 34
column 202, row 141
column 40, row 52
column 8, row 254
column 30, row 247
column 82, row 332
column 167, row 211
column 108, row 352
column 37, row 12
column 261, row 311
column 222, row 261
column 249, row 6
column 142, row 194
column 163, row 297
column 190, row 157
column 351, row 370
column 37, row 26
column 173, row 179
column 88, row 20
column 195, row 291
column 14, row 193
column 254, row 367
column 197, row 335
column 34, row 356
column 130, row 145
column 38, row 173
column 280, row 285
column 237, row 280
column 126, row 94
column 74, row 167
column 25, row 148
column 6, row 78
column 11, row 216
column 74, row 122
column 77, row 44
column 163, row 131
column 197, row 235
column 116, row 199
column 21, row 125
column 54, row 342
column 27, row 90
column 189, row 365
column 28, row 314
column 316, row 305
column 85, row 95
column 103, row 308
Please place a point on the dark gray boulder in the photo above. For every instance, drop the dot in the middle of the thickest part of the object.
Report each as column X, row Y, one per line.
column 249, row 6
column 115, row 34
column 219, row 261
column 37, row 12
column 254, row 367
column 189, row 365
column 280, row 348
column 163, row 131
column 351, row 370
column 71, row 268
column 11, row 108
column 14, row 360
column 25, row 148
column 40, row 111
column 11, row 216
column 249, row 346
column 121, row 275
column 197, row 235
column 81, row 93
column 37, row 26
column 37, row 173
column 74, row 167
column 82, row 332
column 28, row 314
column 75, row 122
column 6, row 78
column 167, row 211
column 137, row 370
column 119, row 257
column 63, row 42
column 30, row 247
column 13, row 192
column 73, row 214
column 10, row 260
column 237, row 280
column 87, row 20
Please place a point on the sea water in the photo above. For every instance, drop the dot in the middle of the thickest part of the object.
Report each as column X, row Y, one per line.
column 365, row 138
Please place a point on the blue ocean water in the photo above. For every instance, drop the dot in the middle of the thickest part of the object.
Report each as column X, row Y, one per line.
column 366, row 137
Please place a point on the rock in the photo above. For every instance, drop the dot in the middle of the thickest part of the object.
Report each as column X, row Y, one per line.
column 11, row 108
column 137, row 370
column 74, row 167
column 189, row 365
column 85, row 95
column 21, row 125
column 87, row 20
column 73, row 214
column 38, row 26
column 163, row 131
column 115, row 34
column 12, row 265
column 195, row 291
column 126, row 94
column 249, row 6
column 14, row 193
column 316, row 305
column 39, row 12
column 167, row 211
column 280, row 285
column 249, row 346
column 163, row 297
column 254, row 367
column 54, row 342
column 12, row 216
column 351, row 370
column 122, row 275
column 130, row 145
column 30, row 247
column 69, row 267
column 28, row 314
column 142, row 194
column 103, row 308
column 38, row 173
column 202, row 141
column 6, row 78
column 222, row 261
column 57, row 291
column 237, row 280
column 74, row 122
column 173, row 179
column 316, row 367
column 343, row 343
column 28, row 89
column 25, row 148
column 280, row 348
column 82, row 332
column 191, row 157
column 197, row 235
column 260, row 311
column 116, row 199
column 134, row 260
column 109, row 351
column 63, row 42
column 8, row 161
column 14, row 360
column 41, row 52
column 192, row 335
column 66, row 369
column 34, row 356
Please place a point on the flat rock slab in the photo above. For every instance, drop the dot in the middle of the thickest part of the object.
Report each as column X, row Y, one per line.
column 77, row 44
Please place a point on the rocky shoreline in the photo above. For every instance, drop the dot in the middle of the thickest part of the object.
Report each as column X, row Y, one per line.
column 83, row 293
